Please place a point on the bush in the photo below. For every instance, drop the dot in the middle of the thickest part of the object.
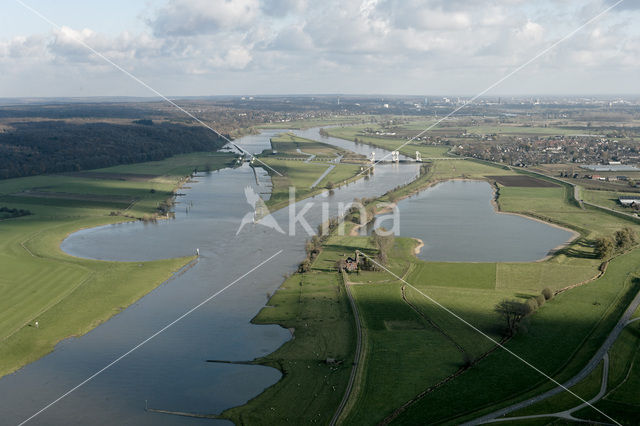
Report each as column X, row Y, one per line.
column 305, row 266
column 604, row 247
column 547, row 293
column 12, row 213
column 532, row 305
column 624, row 239
column 541, row 299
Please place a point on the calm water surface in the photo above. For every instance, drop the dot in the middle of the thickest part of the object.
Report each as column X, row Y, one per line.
column 170, row 371
column 458, row 223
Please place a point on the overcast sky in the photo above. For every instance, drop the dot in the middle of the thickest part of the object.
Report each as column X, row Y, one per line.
column 220, row 47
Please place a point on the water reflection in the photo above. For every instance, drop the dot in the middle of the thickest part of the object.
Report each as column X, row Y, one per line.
column 170, row 371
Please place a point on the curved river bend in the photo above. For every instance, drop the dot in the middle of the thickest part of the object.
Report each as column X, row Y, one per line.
column 170, row 372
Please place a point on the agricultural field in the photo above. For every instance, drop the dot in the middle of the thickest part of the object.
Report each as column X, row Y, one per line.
column 620, row 388
column 481, row 386
column 69, row 296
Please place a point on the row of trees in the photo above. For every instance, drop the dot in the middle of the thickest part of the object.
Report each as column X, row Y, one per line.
column 7, row 212
column 622, row 240
column 313, row 246
column 384, row 242
column 353, row 214
column 514, row 311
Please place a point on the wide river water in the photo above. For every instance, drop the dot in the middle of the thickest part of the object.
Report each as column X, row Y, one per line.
column 170, row 371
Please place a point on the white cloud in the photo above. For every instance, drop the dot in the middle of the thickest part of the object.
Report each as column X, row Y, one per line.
column 531, row 33
column 335, row 43
column 23, row 47
column 283, row 7
column 196, row 17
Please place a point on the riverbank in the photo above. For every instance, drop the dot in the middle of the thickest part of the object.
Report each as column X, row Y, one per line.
column 495, row 202
column 418, row 248
column 574, row 234
column 70, row 296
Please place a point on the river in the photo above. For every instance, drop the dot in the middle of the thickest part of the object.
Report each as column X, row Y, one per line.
column 170, row 372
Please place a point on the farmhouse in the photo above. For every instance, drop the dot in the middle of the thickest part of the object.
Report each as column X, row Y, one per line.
column 629, row 201
column 351, row 264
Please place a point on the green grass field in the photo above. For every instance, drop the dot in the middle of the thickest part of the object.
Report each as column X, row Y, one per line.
column 550, row 204
column 576, row 310
column 586, row 389
column 69, row 296
column 464, row 275
column 621, row 401
column 325, row 121
column 315, row 307
column 520, row 130
column 608, row 199
column 399, row 339
column 467, row 169
column 289, row 143
column 353, row 132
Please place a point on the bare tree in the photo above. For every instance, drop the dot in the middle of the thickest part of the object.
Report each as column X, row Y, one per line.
column 512, row 312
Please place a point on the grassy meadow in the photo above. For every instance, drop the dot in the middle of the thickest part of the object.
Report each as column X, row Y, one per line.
column 69, row 296
column 355, row 132
column 608, row 199
column 315, row 307
column 337, row 120
column 289, row 143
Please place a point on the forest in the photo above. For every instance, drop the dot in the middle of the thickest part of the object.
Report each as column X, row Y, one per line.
column 38, row 147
